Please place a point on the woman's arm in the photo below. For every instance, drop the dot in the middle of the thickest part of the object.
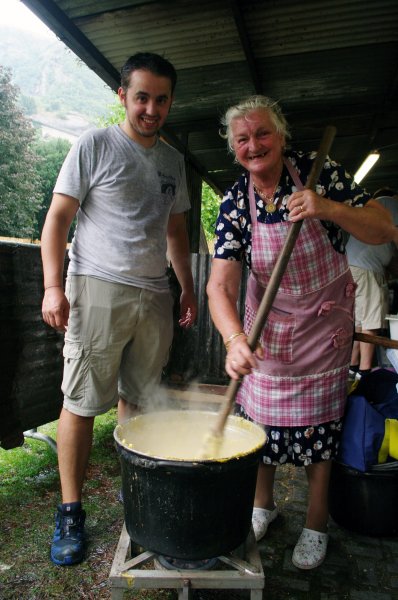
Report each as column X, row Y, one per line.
column 371, row 223
column 222, row 291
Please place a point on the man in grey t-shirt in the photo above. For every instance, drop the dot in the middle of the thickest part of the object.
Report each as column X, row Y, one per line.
column 128, row 190
column 368, row 265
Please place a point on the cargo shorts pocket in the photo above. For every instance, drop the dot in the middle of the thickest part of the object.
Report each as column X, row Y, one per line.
column 74, row 369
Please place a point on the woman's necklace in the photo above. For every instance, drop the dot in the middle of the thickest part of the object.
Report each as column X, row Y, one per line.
column 269, row 199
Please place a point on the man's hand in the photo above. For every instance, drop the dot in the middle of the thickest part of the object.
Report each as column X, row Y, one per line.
column 55, row 308
column 188, row 309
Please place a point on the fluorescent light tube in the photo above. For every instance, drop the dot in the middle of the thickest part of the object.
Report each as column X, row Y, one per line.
column 365, row 167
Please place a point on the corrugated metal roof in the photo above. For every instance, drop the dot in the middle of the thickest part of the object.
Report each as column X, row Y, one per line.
column 327, row 62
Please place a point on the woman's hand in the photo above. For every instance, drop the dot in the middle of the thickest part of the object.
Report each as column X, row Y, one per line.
column 307, row 204
column 240, row 359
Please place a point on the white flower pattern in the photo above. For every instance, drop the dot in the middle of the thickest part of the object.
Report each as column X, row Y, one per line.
column 317, row 443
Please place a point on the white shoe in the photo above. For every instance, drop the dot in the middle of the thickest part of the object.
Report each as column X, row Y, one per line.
column 261, row 518
column 310, row 550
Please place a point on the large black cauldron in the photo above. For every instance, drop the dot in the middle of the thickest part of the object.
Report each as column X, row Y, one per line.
column 189, row 509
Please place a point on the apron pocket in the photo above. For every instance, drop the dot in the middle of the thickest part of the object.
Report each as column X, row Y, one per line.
column 277, row 335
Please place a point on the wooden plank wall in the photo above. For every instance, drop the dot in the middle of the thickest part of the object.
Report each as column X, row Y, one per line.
column 30, row 351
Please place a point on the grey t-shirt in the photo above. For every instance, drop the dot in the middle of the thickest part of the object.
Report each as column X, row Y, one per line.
column 126, row 194
column 373, row 257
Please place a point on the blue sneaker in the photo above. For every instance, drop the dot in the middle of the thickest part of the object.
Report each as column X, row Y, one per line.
column 68, row 543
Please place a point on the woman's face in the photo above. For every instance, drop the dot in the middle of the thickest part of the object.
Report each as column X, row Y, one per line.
column 257, row 145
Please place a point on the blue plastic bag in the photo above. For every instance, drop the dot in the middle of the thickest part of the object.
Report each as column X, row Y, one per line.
column 374, row 400
column 362, row 434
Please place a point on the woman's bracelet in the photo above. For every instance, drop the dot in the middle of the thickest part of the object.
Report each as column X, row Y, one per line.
column 51, row 286
column 227, row 342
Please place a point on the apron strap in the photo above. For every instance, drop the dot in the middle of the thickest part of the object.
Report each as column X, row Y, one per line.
column 293, row 173
column 252, row 203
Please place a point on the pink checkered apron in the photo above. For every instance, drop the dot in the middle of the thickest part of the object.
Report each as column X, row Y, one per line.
column 308, row 334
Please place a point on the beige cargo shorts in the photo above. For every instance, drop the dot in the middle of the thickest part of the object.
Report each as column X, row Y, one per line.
column 117, row 343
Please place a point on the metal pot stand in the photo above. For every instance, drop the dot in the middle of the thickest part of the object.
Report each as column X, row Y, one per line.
column 129, row 573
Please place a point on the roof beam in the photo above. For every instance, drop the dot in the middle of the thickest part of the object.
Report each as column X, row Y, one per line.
column 170, row 137
column 388, row 102
column 246, row 46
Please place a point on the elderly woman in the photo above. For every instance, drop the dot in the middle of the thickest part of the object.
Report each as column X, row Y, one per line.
column 295, row 383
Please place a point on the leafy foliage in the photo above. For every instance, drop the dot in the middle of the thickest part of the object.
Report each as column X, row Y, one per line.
column 210, row 207
column 51, row 154
column 115, row 114
column 20, row 198
column 56, row 87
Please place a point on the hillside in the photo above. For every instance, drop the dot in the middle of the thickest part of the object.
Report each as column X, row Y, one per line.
column 57, row 89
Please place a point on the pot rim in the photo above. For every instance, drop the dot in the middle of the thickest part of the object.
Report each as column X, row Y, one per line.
column 249, row 425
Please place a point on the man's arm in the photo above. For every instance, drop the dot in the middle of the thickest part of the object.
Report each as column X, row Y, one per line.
column 55, row 308
column 180, row 257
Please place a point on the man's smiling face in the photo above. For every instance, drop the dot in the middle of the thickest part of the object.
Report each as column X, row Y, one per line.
column 147, row 101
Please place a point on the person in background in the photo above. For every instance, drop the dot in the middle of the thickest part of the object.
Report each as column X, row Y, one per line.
column 368, row 264
column 128, row 190
column 294, row 385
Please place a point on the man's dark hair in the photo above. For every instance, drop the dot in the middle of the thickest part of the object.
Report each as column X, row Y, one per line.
column 149, row 62
column 385, row 191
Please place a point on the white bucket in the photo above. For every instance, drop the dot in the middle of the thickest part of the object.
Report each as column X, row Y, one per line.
column 393, row 322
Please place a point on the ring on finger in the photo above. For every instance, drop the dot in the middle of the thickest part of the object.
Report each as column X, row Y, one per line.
column 301, row 208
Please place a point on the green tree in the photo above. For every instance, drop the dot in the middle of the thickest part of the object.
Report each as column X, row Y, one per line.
column 19, row 182
column 115, row 115
column 210, row 207
column 51, row 155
